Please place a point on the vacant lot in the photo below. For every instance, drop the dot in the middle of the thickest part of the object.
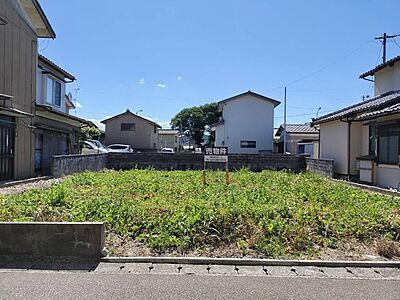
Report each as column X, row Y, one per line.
column 267, row 214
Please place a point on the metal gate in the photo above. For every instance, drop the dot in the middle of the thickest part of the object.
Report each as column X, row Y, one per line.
column 7, row 141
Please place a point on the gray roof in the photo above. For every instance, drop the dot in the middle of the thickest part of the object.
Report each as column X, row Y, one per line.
column 395, row 108
column 297, row 128
column 373, row 104
column 390, row 63
column 128, row 112
column 168, row 131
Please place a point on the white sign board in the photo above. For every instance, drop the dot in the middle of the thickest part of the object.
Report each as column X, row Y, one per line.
column 216, row 158
column 216, row 154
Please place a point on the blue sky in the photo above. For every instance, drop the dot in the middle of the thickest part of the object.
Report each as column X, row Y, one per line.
column 162, row 56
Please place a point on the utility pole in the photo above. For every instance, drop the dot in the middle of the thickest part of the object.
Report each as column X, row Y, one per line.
column 284, row 124
column 384, row 38
column 76, row 97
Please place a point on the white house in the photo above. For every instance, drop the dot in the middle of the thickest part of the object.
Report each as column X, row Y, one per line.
column 364, row 138
column 246, row 123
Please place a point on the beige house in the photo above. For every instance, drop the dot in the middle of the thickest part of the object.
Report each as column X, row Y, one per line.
column 168, row 138
column 300, row 139
column 21, row 23
column 56, row 131
column 132, row 129
column 364, row 139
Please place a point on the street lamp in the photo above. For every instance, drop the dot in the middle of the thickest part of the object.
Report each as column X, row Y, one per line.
column 140, row 110
column 319, row 108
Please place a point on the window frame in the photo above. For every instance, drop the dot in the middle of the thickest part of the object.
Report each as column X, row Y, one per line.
column 128, row 126
column 248, row 144
column 384, row 131
column 54, row 82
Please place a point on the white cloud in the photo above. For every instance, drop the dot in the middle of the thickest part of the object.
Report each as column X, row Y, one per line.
column 163, row 124
column 179, row 78
column 162, row 85
column 99, row 125
column 78, row 105
column 141, row 81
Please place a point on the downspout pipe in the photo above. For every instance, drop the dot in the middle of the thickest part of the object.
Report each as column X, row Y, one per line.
column 349, row 119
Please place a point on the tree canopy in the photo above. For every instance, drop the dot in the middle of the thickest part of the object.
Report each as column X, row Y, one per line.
column 196, row 120
column 89, row 133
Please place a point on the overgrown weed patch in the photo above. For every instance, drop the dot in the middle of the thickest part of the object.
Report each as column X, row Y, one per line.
column 273, row 213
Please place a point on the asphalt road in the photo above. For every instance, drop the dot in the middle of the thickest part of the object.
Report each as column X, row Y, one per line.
column 92, row 285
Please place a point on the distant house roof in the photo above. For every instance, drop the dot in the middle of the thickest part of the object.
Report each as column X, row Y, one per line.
column 168, row 131
column 38, row 17
column 373, row 104
column 262, row 97
column 128, row 112
column 53, row 65
column 390, row 63
column 297, row 128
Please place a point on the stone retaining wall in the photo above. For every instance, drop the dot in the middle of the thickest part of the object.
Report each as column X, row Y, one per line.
column 320, row 166
column 68, row 164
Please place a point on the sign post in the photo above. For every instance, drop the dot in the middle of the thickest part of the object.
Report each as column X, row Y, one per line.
column 218, row 155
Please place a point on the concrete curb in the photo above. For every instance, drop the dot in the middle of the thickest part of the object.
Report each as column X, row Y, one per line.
column 251, row 262
column 370, row 188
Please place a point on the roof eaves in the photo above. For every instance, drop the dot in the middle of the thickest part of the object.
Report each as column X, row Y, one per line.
column 275, row 102
column 55, row 66
column 50, row 109
column 130, row 113
column 371, row 72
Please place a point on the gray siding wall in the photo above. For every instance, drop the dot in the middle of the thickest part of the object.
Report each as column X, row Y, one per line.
column 18, row 59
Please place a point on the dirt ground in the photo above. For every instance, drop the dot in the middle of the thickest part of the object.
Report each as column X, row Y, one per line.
column 118, row 246
column 22, row 187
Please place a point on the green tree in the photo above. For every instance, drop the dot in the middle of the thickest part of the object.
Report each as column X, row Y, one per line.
column 197, row 120
column 89, row 133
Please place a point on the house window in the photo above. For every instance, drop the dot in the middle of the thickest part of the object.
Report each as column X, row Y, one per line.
column 247, row 144
column 155, row 129
column 128, row 127
column 53, row 90
column 372, row 140
column 388, row 144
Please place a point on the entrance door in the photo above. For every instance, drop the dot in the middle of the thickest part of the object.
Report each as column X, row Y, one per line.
column 7, row 141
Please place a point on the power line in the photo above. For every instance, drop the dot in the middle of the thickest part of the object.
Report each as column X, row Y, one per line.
column 396, row 43
column 322, row 68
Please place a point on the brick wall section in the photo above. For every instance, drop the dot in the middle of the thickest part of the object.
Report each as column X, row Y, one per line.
column 320, row 166
column 68, row 164
column 254, row 162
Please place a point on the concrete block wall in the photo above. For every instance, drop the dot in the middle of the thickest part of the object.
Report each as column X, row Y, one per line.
column 181, row 161
column 43, row 239
column 68, row 164
column 320, row 166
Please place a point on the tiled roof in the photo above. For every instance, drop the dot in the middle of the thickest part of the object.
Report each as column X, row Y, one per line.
column 375, row 103
column 395, row 108
column 58, row 68
column 297, row 128
column 390, row 62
